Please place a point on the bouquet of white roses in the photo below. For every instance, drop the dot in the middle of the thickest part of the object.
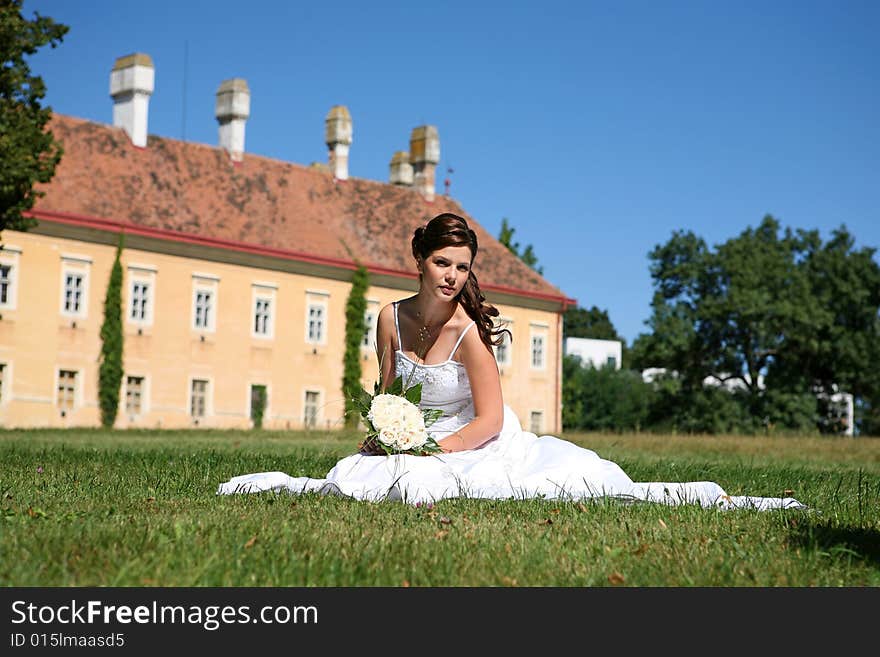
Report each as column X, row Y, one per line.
column 395, row 423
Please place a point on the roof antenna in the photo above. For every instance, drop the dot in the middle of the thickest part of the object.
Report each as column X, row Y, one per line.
column 448, row 182
column 183, row 119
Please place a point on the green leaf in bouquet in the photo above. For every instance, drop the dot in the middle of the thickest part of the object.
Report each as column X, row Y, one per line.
column 362, row 400
column 414, row 394
column 431, row 415
column 396, row 387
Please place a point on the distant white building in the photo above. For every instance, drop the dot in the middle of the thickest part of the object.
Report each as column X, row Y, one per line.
column 598, row 353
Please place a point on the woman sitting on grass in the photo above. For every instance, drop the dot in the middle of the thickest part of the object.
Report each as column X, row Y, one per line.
column 442, row 338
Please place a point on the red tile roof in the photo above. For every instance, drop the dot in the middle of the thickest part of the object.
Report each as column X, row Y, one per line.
column 194, row 190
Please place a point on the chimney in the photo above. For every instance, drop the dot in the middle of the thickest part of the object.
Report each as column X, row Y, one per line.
column 424, row 155
column 131, row 84
column 401, row 169
column 232, row 109
column 338, row 138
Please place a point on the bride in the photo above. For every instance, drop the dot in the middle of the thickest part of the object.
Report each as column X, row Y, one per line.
column 442, row 338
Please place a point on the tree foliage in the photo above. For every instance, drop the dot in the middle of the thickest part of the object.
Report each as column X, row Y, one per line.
column 28, row 152
column 110, row 369
column 774, row 314
column 355, row 308
column 604, row 399
column 505, row 236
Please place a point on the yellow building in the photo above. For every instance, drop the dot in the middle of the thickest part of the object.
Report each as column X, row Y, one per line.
column 236, row 270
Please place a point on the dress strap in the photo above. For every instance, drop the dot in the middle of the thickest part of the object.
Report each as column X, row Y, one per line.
column 397, row 327
column 460, row 338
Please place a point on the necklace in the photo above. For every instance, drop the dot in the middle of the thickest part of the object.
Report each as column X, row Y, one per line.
column 425, row 330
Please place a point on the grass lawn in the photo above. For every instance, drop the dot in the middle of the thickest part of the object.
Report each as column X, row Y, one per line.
column 138, row 508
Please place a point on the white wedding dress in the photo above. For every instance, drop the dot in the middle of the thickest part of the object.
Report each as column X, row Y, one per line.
column 515, row 464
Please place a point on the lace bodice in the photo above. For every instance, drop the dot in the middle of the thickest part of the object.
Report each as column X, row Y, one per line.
column 444, row 385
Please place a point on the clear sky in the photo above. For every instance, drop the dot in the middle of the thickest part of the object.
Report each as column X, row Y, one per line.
column 596, row 128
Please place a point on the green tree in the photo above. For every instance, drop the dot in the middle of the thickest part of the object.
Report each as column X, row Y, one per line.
column 355, row 308
column 604, row 399
column 28, row 152
column 110, row 369
column 839, row 350
column 505, row 236
column 773, row 313
column 258, row 405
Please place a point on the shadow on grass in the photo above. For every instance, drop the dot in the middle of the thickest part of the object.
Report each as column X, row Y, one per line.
column 860, row 543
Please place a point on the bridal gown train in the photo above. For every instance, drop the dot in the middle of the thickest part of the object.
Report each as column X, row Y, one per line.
column 515, row 464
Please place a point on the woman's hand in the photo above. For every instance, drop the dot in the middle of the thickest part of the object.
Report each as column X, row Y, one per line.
column 370, row 447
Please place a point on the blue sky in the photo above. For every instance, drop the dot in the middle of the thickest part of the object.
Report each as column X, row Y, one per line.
column 596, row 128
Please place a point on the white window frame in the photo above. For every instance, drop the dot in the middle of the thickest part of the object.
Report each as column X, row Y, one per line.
column 319, row 416
column 317, row 299
column 263, row 292
column 371, row 322
column 540, row 413
column 206, row 283
column 77, row 389
column 5, row 382
column 209, row 406
column 543, row 338
column 143, row 275
column 9, row 257
column 503, row 322
column 145, row 395
column 76, row 265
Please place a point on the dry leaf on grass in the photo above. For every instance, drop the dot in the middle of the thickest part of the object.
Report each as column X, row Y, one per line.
column 250, row 543
column 616, row 578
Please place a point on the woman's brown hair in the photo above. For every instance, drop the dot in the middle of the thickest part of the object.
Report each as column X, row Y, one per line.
column 448, row 229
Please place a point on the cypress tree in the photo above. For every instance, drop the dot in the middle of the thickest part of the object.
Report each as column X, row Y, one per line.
column 355, row 308
column 110, row 371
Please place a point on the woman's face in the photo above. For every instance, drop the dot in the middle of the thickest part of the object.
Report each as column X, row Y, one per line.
column 445, row 271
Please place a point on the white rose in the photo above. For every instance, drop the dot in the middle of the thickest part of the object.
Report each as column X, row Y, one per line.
column 417, row 438
column 405, row 441
column 388, row 436
column 384, row 409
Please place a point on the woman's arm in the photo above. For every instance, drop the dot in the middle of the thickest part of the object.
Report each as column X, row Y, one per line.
column 482, row 371
column 385, row 345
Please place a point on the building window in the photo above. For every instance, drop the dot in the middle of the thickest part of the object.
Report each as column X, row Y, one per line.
column 611, row 362
column 263, row 310
column 66, row 398
column 316, row 323
column 9, row 256
column 538, row 352
column 73, row 293
column 262, row 316
column 369, row 340
column 140, row 294
column 141, row 286
column 204, row 317
column 134, row 393
column 536, row 422
column 204, row 309
column 502, row 351
column 198, row 398
column 310, row 409
column 75, row 285
column 5, row 285
column 3, row 374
